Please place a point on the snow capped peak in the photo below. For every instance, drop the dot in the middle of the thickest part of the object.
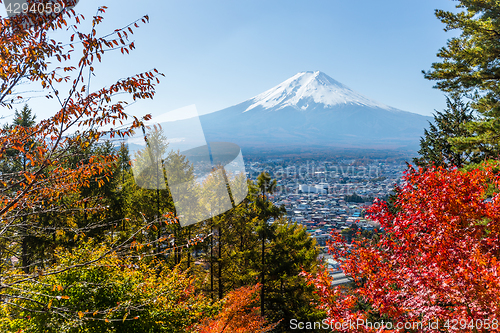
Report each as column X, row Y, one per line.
column 308, row 89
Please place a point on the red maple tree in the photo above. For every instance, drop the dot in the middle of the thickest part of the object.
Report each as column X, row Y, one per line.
column 238, row 314
column 436, row 265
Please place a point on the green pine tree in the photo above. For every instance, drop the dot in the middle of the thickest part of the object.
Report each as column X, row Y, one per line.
column 470, row 65
column 435, row 147
column 12, row 162
column 287, row 294
column 266, row 231
column 15, row 162
column 25, row 117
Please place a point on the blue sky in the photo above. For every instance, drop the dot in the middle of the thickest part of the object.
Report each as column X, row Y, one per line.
column 218, row 53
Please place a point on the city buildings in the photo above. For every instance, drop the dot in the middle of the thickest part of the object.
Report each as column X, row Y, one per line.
column 328, row 197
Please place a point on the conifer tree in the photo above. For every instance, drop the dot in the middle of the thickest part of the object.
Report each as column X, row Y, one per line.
column 470, row 65
column 287, row 294
column 266, row 231
column 16, row 161
column 435, row 147
column 25, row 117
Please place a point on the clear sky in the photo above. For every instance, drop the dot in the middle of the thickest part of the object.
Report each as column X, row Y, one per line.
column 217, row 53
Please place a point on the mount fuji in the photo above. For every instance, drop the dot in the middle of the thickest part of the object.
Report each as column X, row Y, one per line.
column 312, row 109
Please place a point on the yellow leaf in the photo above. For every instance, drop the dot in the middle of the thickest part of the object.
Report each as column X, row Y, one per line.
column 80, row 314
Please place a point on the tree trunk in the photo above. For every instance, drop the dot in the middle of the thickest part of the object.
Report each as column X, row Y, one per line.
column 189, row 250
column 212, row 260
column 262, row 278
column 158, row 249
column 24, row 255
column 220, row 264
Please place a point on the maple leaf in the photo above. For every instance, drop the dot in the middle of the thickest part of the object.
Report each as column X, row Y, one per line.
column 436, row 261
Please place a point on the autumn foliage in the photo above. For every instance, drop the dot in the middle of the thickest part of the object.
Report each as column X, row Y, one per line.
column 43, row 174
column 238, row 315
column 77, row 253
column 26, row 55
column 437, row 261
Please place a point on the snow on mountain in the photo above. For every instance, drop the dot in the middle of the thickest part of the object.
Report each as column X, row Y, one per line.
column 310, row 109
column 307, row 89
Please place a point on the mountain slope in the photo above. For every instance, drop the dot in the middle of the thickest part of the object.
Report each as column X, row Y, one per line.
column 312, row 109
column 307, row 90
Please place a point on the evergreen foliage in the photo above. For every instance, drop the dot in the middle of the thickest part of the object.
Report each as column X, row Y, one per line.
column 470, row 65
column 435, row 147
column 357, row 198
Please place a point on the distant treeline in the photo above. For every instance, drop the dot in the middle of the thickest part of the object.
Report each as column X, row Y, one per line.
column 357, row 198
